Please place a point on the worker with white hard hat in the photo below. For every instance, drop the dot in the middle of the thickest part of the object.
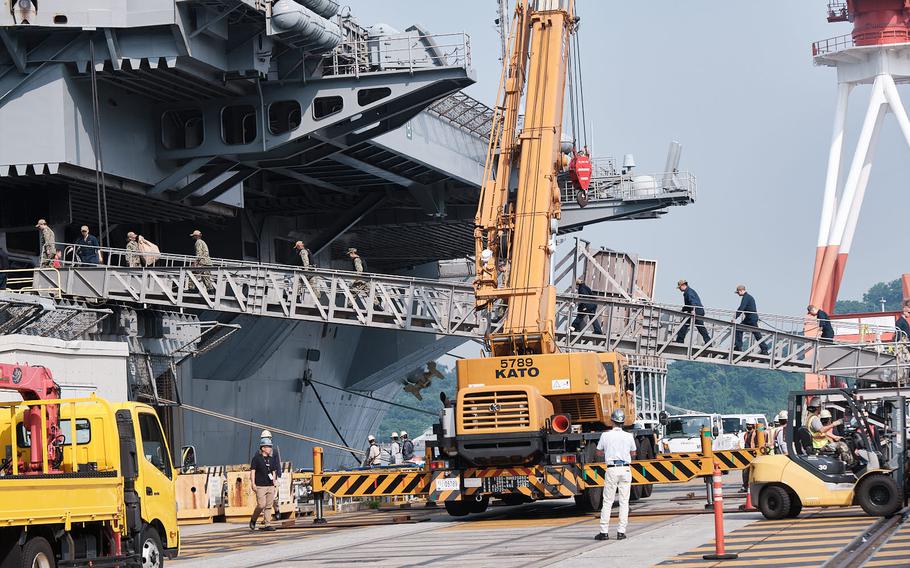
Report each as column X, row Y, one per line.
column 779, row 436
column 407, row 448
column 264, row 473
column 753, row 439
column 394, row 450
column 618, row 449
column 373, row 453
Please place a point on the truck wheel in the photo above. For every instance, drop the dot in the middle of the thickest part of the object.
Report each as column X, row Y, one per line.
column 457, row 508
column 590, row 500
column 774, row 502
column 879, row 495
column 152, row 551
column 37, row 553
column 796, row 507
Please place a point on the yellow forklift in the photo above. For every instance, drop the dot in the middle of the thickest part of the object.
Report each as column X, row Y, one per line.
column 873, row 425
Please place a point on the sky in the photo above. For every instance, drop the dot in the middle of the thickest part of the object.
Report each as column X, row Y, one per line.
column 734, row 83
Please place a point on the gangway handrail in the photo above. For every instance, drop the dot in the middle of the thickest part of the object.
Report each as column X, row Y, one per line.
column 449, row 308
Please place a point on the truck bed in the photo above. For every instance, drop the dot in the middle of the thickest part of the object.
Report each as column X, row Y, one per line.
column 60, row 498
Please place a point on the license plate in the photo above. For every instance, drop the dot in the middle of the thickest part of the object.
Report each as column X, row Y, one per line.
column 505, row 484
column 447, row 484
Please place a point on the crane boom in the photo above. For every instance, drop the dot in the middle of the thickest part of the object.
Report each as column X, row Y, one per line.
column 519, row 207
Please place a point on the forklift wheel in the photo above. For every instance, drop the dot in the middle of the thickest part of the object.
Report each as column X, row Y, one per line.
column 796, row 507
column 879, row 495
column 774, row 502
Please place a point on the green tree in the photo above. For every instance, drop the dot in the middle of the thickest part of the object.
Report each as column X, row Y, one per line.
column 892, row 292
column 729, row 390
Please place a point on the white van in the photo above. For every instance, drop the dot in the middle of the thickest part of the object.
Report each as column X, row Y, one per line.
column 682, row 433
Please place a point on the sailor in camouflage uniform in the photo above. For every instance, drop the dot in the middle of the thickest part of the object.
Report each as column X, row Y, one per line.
column 48, row 240
column 202, row 259
column 132, row 250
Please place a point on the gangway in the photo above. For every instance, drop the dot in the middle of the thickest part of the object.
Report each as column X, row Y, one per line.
column 448, row 308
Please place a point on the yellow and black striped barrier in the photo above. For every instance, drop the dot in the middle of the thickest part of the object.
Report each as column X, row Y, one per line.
column 538, row 482
column 371, row 483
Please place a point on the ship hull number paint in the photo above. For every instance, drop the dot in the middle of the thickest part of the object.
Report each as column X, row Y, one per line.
column 517, row 368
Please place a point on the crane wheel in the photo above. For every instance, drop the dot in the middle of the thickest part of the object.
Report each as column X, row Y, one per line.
column 37, row 553
column 457, row 508
column 879, row 495
column 590, row 500
column 646, row 451
column 774, row 502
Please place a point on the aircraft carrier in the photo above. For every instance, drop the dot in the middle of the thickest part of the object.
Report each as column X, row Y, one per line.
column 259, row 124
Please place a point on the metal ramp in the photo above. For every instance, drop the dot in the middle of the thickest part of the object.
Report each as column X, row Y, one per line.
column 31, row 315
column 447, row 308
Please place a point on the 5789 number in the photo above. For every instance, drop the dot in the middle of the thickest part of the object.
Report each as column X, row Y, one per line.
column 516, row 362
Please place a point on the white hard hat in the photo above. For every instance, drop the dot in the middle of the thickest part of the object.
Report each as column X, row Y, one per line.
column 782, row 415
column 404, row 434
column 265, row 434
column 370, row 438
column 825, row 413
column 750, row 422
column 394, row 434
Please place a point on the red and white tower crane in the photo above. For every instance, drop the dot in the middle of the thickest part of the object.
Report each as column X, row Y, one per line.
column 876, row 53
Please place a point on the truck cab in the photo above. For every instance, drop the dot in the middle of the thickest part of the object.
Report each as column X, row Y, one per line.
column 682, row 433
column 107, row 494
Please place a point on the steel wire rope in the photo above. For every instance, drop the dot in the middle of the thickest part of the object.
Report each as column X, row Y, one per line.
column 371, row 397
column 581, row 84
column 331, row 421
column 250, row 423
column 100, row 184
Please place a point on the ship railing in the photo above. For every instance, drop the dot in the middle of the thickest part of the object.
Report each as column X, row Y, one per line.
column 399, row 52
column 883, row 38
column 637, row 186
column 23, row 280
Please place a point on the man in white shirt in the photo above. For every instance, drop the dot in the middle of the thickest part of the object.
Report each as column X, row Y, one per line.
column 618, row 449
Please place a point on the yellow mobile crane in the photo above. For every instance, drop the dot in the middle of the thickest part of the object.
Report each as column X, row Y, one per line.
column 527, row 417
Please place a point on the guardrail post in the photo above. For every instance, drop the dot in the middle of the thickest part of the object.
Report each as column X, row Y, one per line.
column 318, row 495
column 707, row 457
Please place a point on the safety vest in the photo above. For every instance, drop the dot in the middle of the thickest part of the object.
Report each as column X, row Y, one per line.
column 754, row 439
column 819, row 439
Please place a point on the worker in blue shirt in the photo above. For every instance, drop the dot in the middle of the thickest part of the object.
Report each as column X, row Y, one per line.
column 748, row 311
column 692, row 305
column 903, row 324
column 824, row 322
column 586, row 309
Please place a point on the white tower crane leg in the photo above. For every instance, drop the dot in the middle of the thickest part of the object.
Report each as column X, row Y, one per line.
column 848, row 200
column 897, row 106
column 861, row 189
column 832, row 178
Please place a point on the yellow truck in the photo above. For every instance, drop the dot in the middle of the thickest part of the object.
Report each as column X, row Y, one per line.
column 83, row 481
